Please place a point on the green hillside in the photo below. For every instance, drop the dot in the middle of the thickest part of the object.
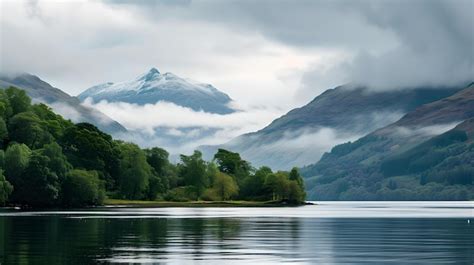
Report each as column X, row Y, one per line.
column 414, row 158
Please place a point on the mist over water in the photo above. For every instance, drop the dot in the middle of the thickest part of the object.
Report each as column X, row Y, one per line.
column 328, row 233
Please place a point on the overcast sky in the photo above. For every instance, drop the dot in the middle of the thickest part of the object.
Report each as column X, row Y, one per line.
column 274, row 55
column 259, row 52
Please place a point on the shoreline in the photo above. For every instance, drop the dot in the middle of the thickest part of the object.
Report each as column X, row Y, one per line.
column 111, row 203
column 161, row 204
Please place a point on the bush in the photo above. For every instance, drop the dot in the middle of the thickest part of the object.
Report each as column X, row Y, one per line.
column 210, row 195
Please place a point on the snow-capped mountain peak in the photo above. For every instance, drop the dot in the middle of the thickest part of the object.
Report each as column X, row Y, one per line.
column 153, row 73
column 153, row 86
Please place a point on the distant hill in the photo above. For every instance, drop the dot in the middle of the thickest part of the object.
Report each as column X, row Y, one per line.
column 66, row 105
column 426, row 155
column 302, row 135
column 154, row 86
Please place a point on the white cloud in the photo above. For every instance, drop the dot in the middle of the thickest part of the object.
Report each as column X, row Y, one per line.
column 294, row 148
column 92, row 43
column 66, row 111
column 423, row 131
column 182, row 128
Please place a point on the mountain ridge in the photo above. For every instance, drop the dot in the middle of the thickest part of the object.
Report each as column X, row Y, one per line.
column 339, row 114
column 42, row 91
column 423, row 142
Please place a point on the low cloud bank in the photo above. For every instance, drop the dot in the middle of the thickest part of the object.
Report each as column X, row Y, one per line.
column 294, row 148
column 425, row 131
column 182, row 129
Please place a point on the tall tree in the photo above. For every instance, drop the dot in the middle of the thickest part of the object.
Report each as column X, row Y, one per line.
column 39, row 185
column 158, row 159
column 277, row 184
column 17, row 158
column 135, row 172
column 87, row 147
column 225, row 186
column 231, row 163
column 295, row 193
column 193, row 170
column 295, row 176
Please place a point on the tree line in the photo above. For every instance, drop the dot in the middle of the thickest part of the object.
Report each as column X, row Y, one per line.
column 48, row 161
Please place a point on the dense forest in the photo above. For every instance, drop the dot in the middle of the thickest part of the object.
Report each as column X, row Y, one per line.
column 47, row 161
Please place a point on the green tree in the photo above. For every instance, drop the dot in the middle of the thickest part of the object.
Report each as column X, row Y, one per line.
column 225, row 186
column 3, row 132
column 51, row 122
column 193, row 170
column 135, row 172
column 295, row 176
column 17, row 158
column 39, row 186
column 2, row 158
column 295, row 193
column 5, row 107
column 211, row 172
column 88, row 148
column 27, row 128
column 231, row 163
column 172, row 176
column 301, row 193
column 271, row 185
column 57, row 160
column 5, row 189
column 277, row 184
column 253, row 185
column 82, row 188
column 19, row 100
column 158, row 160
column 155, row 187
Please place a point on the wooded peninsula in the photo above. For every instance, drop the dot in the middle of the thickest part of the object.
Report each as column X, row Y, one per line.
column 48, row 161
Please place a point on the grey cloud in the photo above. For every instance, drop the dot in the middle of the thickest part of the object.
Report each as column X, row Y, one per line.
column 304, row 23
column 394, row 44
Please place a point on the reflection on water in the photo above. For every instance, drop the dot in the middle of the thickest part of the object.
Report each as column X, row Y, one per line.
column 423, row 233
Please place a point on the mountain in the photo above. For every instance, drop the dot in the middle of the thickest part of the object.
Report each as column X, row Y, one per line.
column 338, row 115
column 426, row 155
column 153, row 87
column 66, row 105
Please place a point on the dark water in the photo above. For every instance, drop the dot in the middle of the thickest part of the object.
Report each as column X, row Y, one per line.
column 330, row 233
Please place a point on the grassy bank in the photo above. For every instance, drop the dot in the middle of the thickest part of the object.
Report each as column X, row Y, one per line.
column 152, row 204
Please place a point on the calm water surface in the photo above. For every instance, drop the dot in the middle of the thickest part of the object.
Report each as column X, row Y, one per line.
column 328, row 233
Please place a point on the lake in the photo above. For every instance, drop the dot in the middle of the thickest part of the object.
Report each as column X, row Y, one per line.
column 327, row 233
